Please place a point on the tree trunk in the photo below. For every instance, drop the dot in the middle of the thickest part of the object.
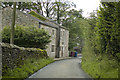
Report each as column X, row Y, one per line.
column 58, row 14
column 13, row 23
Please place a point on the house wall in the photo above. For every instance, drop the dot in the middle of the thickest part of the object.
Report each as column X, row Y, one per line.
column 27, row 20
column 52, row 33
column 64, row 40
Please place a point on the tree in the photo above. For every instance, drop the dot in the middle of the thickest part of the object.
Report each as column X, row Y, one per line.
column 25, row 6
column 71, row 17
column 109, row 27
column 60, row 10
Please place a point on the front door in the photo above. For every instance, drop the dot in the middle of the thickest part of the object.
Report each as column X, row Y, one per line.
column 62, row 51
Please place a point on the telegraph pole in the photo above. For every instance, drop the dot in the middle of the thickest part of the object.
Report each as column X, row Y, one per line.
column 13, row 23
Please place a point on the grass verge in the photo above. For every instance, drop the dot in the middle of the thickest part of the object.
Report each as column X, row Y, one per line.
column 31, row 65
column 100, row 66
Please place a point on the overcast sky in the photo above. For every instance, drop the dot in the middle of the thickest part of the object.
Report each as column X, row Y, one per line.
column 87, row 6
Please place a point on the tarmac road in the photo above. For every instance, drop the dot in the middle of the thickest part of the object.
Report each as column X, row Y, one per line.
column 69, row 68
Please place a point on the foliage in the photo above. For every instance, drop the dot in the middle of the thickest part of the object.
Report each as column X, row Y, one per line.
column 37, row 15
column 99, row 66
column 76, row 33
column 101, row 43
column 30, row 66
column 27, row 36
column 109, row 27
column 25, row 6
column 60, row 11
column 14, row 56
column 75, row 22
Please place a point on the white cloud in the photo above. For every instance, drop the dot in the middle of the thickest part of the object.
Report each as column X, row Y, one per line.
column 87, row 5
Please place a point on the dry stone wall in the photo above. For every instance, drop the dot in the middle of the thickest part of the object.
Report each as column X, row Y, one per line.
column 14, row 56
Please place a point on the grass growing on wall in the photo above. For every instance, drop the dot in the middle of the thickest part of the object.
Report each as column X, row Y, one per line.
column 37, row 15
column 31, row 65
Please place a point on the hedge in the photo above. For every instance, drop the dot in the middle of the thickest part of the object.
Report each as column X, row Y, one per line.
column 27, row 36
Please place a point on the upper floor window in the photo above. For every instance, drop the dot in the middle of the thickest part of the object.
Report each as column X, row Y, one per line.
column 63, row 33
column 62, row 43
column 39, row 25
column 53, row 32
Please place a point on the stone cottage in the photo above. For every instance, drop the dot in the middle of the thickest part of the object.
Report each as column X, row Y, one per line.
column 58, row 47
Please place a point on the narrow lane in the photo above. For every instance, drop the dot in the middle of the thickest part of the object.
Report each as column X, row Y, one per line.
column 69, row 68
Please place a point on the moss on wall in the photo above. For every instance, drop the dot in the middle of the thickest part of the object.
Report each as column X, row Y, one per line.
column 37, row 15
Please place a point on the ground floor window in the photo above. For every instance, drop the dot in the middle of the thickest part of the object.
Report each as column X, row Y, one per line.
column 53, row 48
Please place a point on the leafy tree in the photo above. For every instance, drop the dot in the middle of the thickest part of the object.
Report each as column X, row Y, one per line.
column 71, row 17
column 25, row 6
column 76, row 33
column 54, row 10
column 73, row 22
column 60, row 11
column 109, row 27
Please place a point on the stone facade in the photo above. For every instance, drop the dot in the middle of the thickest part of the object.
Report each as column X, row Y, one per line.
column 52, row 45
column 51, row 27
column 64, row 38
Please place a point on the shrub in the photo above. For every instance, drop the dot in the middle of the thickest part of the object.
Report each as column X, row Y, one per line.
column 27, row 36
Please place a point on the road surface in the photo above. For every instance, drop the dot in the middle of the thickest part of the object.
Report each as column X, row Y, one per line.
column 69, row 68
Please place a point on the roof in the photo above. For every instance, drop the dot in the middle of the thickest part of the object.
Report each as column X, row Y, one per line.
column 48, row 22
column 42, row 22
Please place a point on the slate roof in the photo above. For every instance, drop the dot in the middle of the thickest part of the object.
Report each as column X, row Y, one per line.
column 42, row 22
column 47, row 22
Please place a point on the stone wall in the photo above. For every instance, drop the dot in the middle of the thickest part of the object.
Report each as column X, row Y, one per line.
column 52, row 32
column 64, row 40
column 14, row 56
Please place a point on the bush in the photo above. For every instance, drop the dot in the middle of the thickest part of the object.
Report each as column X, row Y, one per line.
column 27, row 36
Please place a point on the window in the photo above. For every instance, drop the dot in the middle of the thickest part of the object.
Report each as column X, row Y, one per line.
column 63, row 33
column 62, row 43
column 53, row 32
column 39, row 25
column 52, row 48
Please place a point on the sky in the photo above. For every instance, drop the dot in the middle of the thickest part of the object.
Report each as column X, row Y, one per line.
column 87, row 6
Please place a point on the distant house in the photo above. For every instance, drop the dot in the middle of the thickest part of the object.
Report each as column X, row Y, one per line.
column 58, row 47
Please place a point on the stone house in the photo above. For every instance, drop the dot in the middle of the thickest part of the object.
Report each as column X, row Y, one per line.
column 58, row 47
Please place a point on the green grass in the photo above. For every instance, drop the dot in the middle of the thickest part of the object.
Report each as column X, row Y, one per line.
column 37, row 15
column 99, row 66
column 31, row 65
